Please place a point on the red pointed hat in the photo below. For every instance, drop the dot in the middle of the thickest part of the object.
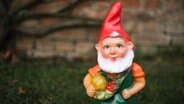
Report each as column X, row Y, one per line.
column 111, row 26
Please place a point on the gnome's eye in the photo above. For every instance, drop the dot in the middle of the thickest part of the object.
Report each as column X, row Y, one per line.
column 119, row 46
column 106, row 47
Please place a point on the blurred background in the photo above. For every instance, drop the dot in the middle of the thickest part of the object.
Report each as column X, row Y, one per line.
column 46, row 47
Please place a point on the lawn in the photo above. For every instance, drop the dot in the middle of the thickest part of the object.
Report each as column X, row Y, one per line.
column 47, row 82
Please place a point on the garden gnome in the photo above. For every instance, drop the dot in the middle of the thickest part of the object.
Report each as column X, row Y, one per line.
column 116, row 79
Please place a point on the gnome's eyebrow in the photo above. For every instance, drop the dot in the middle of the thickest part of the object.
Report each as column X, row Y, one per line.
column 119, row 40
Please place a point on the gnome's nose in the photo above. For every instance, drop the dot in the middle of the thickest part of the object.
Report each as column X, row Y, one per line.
column 112, row 52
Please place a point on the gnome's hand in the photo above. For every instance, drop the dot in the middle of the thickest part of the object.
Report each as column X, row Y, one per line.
column 126, row 94
column 91, row 91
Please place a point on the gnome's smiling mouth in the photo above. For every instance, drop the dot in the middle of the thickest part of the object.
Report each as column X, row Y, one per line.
column 113, row 59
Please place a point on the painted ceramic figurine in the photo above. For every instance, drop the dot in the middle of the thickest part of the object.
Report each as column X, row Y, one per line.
column 116, row 79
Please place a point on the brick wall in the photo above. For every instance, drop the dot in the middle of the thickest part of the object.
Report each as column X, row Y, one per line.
column 153, row 24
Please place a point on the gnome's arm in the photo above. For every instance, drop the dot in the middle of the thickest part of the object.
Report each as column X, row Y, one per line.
column 87, row 80
column 88, row 85
column 139, row 82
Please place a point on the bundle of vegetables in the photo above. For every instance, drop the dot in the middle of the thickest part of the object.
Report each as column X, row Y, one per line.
column 105, row 87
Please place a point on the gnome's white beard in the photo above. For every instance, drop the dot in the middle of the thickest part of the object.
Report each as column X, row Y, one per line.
column 117, row 66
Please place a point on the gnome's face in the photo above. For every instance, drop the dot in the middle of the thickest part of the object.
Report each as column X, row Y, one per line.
column 114, row 47
column 115, row 54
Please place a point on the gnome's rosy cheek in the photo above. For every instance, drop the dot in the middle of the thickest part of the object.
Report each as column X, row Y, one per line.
column 105, row 52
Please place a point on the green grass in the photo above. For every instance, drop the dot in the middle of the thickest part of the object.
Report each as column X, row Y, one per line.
column 61, row 83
